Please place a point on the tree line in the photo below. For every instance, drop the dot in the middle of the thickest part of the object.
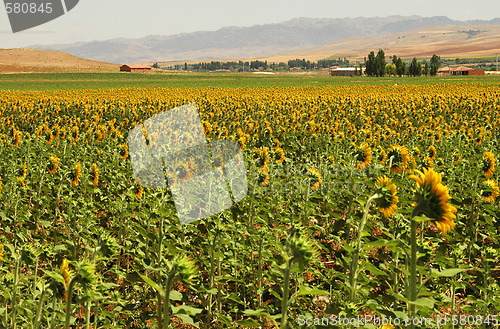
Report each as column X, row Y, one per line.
column 241, row 66
column 376, row 66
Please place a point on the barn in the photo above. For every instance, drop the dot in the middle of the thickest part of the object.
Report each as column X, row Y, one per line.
column 462, row 70
column 444, row 71
column 135, row 68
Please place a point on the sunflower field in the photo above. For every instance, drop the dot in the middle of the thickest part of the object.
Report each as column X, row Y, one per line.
column 364, row 202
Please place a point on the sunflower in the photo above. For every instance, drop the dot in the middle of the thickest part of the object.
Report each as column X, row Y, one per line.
column 387, row 326
column 488, row 164
column 2, row 254
column 388, row 200
column 314, row 178
column 279, row 155
column 380, row 155
column 182, row 172
column 17, row 137
column 95, row 176
column 53, row 164
column 139, row 192
column 66, row 275
column 123, row 151
column 363, row 155
column 49, row 136
column 415, row 152
column 491, row 192
column 261, row 156
column 456, row 157
column 432, row 200
column 431, row 152
column 263, row 176
column 400, row 158
column 77, row 174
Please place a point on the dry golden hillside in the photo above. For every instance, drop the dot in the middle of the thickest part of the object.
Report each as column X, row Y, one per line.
column 30, row 60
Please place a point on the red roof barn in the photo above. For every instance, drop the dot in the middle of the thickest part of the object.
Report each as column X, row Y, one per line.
column 135, row 68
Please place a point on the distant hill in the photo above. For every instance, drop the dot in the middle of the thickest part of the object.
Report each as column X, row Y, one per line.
column 255, row 41
column 446, row 41
column 31, row 60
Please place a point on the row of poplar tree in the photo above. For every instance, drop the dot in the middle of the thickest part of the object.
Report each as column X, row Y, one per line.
column 375, row 65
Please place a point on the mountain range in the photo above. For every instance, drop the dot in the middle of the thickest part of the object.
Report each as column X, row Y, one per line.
column 255, row 41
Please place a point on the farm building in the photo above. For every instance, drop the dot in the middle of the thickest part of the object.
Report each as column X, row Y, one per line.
column 344, row 72
column 462, row 70
column 135, row 68
column 444, row 71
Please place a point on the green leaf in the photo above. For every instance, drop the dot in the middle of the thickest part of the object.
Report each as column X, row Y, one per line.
column 424, row 302
column 152, row 284
column 249, row 323
column 184, row 309
column 303, row 290
column 259, row 312
column 421, row 219
column 109, row 285
column 175, row 295
column 449, row 272
column 186, row 319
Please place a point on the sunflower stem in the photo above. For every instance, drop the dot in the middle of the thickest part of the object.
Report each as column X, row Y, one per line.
column 353, row 275
column 36, row 320
column 412, row 293
column 68, row 301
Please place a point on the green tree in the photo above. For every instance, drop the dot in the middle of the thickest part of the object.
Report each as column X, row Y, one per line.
column 360, row 69
column 370, row 64
column 434, row 65
column 380, row 64
column 390, row 69
column 425, row 71
column 415, row 67
column 400, row 67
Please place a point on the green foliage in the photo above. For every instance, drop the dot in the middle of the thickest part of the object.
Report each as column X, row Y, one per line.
column 434, row 65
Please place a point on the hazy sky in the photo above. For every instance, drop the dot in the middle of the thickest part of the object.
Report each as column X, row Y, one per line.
column 107, row 19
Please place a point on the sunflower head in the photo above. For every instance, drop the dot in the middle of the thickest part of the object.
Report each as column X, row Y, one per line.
column 415, row 152
column 387, row 201
column 315, row 178
column 53, row 164
column 400, row 158
column 182, row 172
column 185, row 268
column 488, row 164
column 431, row 152
column 490, row 192
column 29, row 254
column 77, row 174
column 432, row 198
column 263, row 176
column 85, row 274
column 108, row 245
column 363, row 155
column 95, row 175
column 302, row 248
column 279, row 155
column 123, row 150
